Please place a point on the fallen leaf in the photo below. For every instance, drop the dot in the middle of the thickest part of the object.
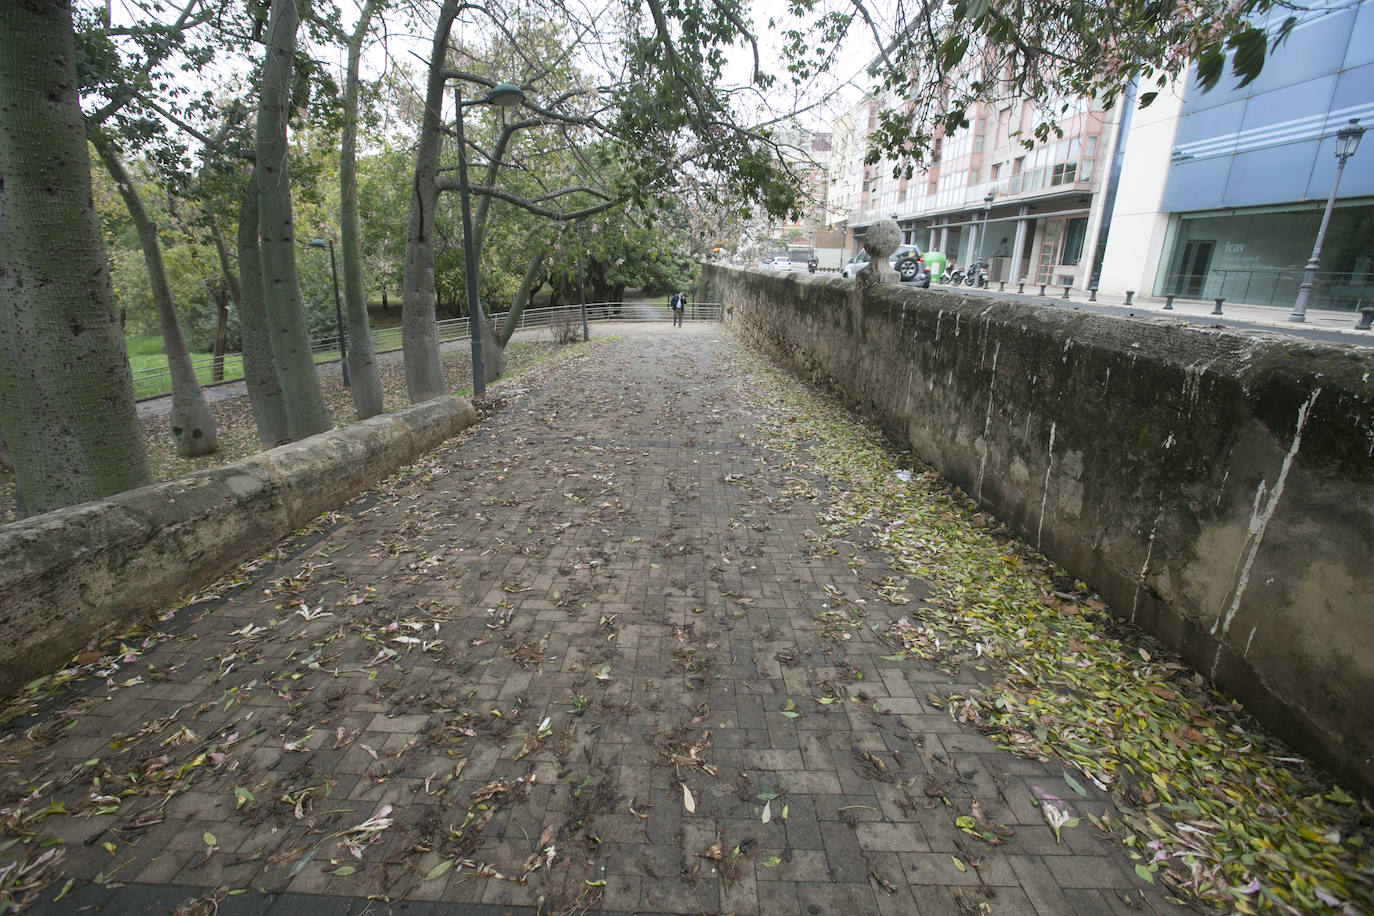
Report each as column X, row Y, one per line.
column 688, row 801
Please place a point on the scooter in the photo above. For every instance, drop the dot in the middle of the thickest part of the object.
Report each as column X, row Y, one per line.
column 953, row 275
column 977, row 275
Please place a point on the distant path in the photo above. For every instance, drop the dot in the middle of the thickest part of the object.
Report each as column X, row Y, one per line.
column 640, row 310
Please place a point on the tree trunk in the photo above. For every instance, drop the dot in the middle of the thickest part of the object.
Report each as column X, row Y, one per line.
column 66, row 395
column 221, row 331
column 419, row 333
column 306, row 414
column 493, row 351
column 191, row 422
column 362, row 361
column 259, row 364
column 522, row 295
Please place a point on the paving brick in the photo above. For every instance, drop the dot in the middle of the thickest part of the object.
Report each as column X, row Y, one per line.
column 566, row 511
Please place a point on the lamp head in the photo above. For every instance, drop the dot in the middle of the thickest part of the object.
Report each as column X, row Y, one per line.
column 987, row 202
column 1348, row 139
column 319, row 243
column 504, row 95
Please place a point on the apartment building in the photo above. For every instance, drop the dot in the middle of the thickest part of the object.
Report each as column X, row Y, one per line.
column 1041, row 205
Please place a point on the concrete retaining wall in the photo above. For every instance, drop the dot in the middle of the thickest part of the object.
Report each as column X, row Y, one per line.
column 1215, row 487
column 69, row 576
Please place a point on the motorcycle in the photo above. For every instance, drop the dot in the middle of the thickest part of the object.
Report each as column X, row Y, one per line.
column 977, row 275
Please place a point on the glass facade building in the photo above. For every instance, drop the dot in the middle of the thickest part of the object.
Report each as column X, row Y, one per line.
column 1252, row 168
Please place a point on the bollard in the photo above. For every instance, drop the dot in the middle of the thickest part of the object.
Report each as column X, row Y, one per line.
column 1001, row 286
column 1217, row 310
column 1129, row 294
column 1366, row 317
column 1169, row 302
column 1042, row 288
column 1066, row 293
column 1021, row 288
column 1092, row 293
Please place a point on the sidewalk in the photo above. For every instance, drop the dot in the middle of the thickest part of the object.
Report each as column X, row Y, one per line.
column 1326, row 325
column 584, row 657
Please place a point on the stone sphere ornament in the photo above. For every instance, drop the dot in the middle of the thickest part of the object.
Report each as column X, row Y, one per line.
column 880, row 241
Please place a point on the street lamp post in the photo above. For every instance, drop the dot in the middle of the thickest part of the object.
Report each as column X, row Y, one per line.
column 338, row 306
column 502, row 95
column 581, row 287
column 983, row 236
column 1347, row 141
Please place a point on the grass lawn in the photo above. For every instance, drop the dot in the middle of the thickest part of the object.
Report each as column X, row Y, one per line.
column 149, row 363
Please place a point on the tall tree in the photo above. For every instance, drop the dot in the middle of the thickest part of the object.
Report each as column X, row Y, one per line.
column 66, row 394
column 191, row 422
column 419, row 328
column 305, row 409
column 259, row 361
column 362, row 362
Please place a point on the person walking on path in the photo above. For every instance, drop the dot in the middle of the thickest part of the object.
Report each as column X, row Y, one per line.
column 678, row 303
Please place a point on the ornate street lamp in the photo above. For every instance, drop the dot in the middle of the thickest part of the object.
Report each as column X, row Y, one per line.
column 1347, row 141
column 338, row 306
column 502, row 95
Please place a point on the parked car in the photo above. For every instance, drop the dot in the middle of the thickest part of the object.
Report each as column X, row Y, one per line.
column 780, row 262
column 906, row 260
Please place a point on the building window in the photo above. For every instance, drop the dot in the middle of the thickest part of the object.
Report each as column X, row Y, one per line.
column 1075, row 230
column 996, row 171
column 1018, row 164
column 1064, row 174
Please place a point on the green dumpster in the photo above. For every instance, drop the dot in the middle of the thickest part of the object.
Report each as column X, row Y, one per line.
column 935, row 261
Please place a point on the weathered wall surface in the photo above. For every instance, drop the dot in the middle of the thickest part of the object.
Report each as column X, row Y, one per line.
column 1216, row 488
column 71, row 575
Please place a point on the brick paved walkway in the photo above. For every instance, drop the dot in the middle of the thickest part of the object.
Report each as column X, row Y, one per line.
column 519, row 660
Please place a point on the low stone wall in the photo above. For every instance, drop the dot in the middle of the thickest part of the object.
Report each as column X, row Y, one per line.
column 1216, row 488
column 69, row 576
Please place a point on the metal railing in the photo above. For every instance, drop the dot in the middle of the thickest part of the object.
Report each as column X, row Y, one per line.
column 157, row 381
column 1339, row 290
